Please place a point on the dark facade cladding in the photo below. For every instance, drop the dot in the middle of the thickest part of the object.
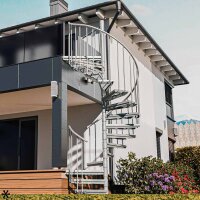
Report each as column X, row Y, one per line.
column 32, row 45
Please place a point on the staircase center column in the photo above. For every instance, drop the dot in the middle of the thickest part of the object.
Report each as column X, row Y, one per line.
column 104, row 130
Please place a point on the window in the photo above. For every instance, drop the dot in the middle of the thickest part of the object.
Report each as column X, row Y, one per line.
column 168, row 94
column 158, row 144
column 171, row 149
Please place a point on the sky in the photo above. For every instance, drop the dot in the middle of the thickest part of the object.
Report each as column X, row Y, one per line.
column 174, row 24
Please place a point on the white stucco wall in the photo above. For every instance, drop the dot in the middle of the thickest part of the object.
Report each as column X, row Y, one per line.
column 44, row 152
column 152, row 104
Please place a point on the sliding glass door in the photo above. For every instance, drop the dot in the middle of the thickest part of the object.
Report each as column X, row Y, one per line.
column 18, row 144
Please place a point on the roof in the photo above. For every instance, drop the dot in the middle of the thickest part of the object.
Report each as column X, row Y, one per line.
column 143, row 39
column 190, row 121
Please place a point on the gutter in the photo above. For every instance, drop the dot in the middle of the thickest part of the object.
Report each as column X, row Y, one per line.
column 73, row 12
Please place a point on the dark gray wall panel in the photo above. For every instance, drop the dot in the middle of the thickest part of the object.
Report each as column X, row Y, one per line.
column 8, row 78
column 43, row 43
column 35, row 73
column 32, row 45
column 12, row 50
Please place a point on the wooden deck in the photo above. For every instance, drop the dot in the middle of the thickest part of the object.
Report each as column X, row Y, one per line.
column 34, row 182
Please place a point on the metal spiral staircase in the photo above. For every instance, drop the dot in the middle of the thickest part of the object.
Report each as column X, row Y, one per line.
column 104, row 60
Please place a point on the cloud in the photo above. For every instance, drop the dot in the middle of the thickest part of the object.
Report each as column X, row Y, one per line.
column 141, row 10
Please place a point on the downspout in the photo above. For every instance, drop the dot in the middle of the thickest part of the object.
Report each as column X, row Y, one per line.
column 118, row 12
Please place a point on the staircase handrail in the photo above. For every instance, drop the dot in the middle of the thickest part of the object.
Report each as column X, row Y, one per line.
column 76, row 134
column 100, row 30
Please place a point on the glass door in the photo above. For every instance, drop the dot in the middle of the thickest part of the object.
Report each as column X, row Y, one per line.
column 18, row 144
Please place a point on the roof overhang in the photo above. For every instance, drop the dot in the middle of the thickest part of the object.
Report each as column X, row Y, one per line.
column 125, row 20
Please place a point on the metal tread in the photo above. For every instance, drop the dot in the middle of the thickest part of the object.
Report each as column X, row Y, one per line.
column 96, row 163
column 124, row 104
column 91, row 191
column 122, row 126
column 122, row 116
column 88, row 181
column 114, row 94
column 119, row 136
column 111, row 145
column 87, row 173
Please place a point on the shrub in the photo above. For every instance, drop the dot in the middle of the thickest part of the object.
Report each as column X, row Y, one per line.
column 151, row 175
column 190, row 156
column 135, row 174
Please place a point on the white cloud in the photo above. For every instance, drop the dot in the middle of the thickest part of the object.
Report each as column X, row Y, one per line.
column 142, row 10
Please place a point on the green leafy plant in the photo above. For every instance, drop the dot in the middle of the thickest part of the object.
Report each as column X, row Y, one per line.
column 151, row 175
column 190, row 156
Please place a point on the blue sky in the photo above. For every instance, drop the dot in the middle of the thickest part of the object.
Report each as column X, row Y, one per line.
column 174, row 24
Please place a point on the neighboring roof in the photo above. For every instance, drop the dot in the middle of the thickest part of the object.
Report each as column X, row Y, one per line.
column 155, row 53
column 188, row 121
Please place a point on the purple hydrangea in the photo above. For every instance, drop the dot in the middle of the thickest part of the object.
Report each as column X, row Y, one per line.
column 167, row 180
column 172, row 178
column 152, row 183
column 165, row 187
column 160, row 183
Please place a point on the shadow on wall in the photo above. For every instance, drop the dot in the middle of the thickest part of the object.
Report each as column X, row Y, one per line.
column 80, row 117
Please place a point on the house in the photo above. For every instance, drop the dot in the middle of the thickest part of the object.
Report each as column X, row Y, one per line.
column 79, row 90
column 188, row 133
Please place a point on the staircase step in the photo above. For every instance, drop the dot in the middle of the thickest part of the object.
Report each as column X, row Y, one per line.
column 122, row 126
column 114, row 94
column 124, row 104
column 122, row 116
column 110, row 154
column 97, row 163
column 86, row 173
column 111, row 145
column 106, row 84
column 88, row 181
column 90, row 191
column 118, row 136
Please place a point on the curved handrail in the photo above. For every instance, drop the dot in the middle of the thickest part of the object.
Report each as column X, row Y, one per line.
column 76, row 134
column 111, row 36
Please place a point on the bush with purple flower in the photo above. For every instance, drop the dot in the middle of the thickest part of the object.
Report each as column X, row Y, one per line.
column 159, row 183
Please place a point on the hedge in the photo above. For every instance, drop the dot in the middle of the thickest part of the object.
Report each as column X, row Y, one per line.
column 190, row 157
column 102, row 197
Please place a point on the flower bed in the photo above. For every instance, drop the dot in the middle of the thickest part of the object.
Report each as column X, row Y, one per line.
column 152, row 176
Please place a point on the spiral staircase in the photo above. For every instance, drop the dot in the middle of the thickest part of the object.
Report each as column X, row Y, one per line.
column 104, row 60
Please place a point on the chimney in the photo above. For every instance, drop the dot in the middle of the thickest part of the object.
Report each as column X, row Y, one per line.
column 58, row 7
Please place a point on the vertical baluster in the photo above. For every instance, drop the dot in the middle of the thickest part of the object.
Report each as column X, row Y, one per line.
column 90, row 145
column 92, row 46
column 77, row 178
column 69, row 40
column 87, row 48
column 118, row 66
column 124, row 75
column 82, row 164
column 95, row 50
column 75, row 32
column 95, row 135
column 81, row 46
